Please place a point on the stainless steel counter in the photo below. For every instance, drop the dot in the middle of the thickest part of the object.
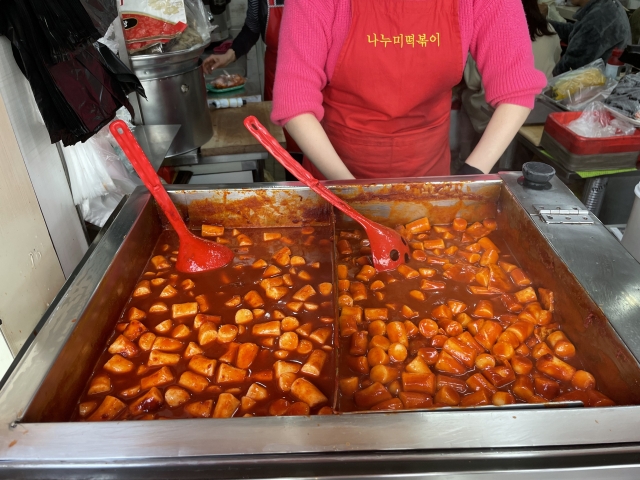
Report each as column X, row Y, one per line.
column 155, row 141
column 596, row 276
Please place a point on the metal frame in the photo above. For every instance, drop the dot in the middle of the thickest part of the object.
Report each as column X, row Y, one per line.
column 243, row 162
column 568, row 443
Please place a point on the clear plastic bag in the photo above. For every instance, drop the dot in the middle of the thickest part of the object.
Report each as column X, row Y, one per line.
column 116, row 175
column 591, row 94
column 597, row 122
column 625, row 98
column 87, row 172
column 577, row 88
column 197, row 19
column 109, row 40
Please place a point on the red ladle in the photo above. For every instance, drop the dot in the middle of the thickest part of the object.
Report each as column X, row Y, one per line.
column 195, row 254
column 388, row 249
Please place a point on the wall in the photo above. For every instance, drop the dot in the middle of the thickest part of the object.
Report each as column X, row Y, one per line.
column 43, row 163
column 41, row 235
column 31, row 274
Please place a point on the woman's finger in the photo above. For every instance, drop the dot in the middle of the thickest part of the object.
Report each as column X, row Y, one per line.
column 211, row 63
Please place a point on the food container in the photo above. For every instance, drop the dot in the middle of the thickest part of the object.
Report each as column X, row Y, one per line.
column 578, row 153
column 595, row 286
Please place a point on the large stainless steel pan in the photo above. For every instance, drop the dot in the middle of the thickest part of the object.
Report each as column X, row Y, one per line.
column 596, row 281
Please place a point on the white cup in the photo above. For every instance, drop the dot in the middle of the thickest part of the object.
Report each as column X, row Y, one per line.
column 631, row 238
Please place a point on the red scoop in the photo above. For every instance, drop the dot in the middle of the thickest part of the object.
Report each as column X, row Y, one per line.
column 388, row 248
column 195, row 254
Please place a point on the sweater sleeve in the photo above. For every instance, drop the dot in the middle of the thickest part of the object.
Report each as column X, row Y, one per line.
column 250, row 33
column 563, row 29
column 245, row 41
column 303, row 48
column 502, row 49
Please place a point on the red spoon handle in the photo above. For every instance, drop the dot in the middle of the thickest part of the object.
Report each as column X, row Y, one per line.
column 149, row 177
column 274, row 148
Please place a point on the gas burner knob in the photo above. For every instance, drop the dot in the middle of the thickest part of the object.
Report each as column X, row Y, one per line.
column 537, row 175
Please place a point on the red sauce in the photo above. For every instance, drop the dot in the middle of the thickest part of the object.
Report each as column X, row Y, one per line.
column 219, row 287
column 357, row 391
column 460, row 325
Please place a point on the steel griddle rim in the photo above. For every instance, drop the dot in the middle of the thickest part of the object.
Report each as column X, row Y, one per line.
column 553, row 438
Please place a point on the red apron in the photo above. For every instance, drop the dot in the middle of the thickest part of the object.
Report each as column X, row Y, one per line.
column 388, row 103
column 272, row 33
column 274, row 18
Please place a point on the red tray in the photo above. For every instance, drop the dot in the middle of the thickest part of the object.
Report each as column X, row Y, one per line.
column 556, row 127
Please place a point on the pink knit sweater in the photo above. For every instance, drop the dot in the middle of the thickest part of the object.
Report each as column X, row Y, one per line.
column 313, row 32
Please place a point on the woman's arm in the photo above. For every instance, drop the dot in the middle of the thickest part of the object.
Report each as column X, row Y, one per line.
column 246, row 39
column 303, row 55
column 502, row 128
column 502, row 49
column 562, row 29
column 312, row 139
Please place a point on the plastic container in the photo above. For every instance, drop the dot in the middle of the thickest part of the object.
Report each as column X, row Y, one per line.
column 587, row 163
column 583, row 154
column 556, row 127
column 614, row 65
column 631, row 237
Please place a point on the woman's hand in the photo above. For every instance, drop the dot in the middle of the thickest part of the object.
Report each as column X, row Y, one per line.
column 501, row 130
column 219, row 61
column 312, row 139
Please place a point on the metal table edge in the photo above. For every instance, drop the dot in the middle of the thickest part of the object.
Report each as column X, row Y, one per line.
column 617, row 291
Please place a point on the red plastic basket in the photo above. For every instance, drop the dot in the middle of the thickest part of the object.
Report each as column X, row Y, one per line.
column 556, row 126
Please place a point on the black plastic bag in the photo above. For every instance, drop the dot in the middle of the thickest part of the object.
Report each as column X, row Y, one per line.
column 32, row 53
column 102, row 13
column 123, row 75
column 77, row 89
column 65, row 23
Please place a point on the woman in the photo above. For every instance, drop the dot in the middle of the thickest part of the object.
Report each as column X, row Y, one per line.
column 378, row 74
column 546, row 54
column 263, row 18
column 599, row 27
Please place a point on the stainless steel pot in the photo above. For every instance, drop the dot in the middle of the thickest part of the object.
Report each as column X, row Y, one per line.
column 148, row 67
column 176, row 95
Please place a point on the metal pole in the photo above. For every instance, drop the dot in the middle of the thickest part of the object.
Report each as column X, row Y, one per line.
column 593, row 193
